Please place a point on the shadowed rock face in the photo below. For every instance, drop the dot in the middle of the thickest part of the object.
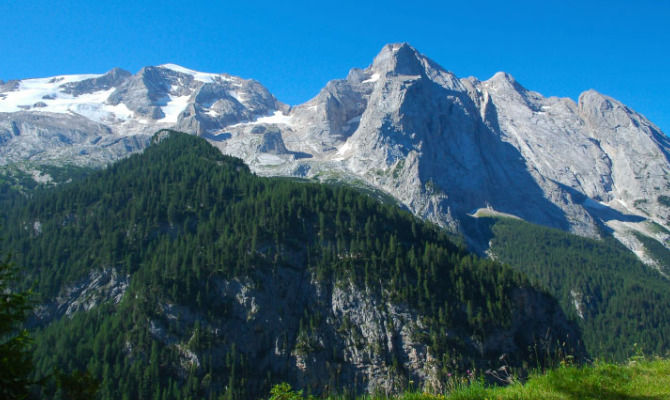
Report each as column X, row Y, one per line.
column 272, row 143
column 111, row 79
column 443, row 146
column 262, row 322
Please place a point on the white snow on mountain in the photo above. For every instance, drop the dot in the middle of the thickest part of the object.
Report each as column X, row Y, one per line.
column 277, row 118
column 373, row 78
column 441, row 145
column 31, row 92
column 198, row 76
column 173, row 107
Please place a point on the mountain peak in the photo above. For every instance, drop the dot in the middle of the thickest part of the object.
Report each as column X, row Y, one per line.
column 205, row 77
column 399, row 59
column 118, row 72
column 592, row 96
column 505, row 81
column 595, row 103
column 503, row 76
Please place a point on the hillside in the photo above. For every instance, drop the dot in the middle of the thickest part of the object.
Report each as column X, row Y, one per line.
column 617, row 300
column 178, row 273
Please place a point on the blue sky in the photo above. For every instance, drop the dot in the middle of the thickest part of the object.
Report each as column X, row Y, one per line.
column 561, row 48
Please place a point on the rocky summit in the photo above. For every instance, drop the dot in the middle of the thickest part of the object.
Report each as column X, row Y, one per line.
column 447, row 148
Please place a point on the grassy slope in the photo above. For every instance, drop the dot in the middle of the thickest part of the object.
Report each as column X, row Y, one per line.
column 636, row 380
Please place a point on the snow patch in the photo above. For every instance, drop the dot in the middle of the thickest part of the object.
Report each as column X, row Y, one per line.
column 277, row 118
column 48, row 92
column 174, row 107
column 622, row 206
column 640, row 254
column 240, row 96
column 269, row 159
column 346, row 147
column 121, row 111
column 212, row 113
column 205, row 77
column 45, row 95
column 373, row 78
column 95, row 109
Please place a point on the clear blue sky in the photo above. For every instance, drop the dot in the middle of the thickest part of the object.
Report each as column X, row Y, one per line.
column 620, row 48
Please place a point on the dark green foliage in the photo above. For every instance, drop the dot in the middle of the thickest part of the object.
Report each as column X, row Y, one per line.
column 656, row 250
column 18, row 379
column 15, row 177
column 623, row 301
column 16, row 365
column 283, row 391
column 11, row 191
column 77, row 385
column 181, row 216
column 16, row 185
column 664, row 200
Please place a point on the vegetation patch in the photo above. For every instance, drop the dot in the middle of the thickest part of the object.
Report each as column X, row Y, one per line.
column 623, row 301
column 656, row 250
column 657, row 228
column 635, row 380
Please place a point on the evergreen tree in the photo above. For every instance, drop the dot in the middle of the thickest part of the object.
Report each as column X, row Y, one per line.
column 16, row 364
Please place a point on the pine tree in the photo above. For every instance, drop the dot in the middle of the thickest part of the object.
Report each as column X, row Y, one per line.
column 16, row 364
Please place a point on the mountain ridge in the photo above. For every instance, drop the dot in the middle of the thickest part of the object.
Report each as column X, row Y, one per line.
column 442, row 145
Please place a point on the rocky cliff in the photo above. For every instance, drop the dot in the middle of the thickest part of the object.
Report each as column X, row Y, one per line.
column 443, row 146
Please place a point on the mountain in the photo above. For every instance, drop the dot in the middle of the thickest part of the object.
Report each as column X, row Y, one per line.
column 441, row 145
column 177, row 272
column 95, row 119
column 618, row 302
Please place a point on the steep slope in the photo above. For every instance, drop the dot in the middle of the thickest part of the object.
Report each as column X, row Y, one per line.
column 446, row 146
column 441, row 145
column 618, row 301
column 179, row 273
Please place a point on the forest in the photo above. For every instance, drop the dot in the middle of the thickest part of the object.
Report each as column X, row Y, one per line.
column 167, row 229
column 622, row 303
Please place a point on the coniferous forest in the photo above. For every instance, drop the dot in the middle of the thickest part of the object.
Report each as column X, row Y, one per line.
column 177, row 273
column 620, row 303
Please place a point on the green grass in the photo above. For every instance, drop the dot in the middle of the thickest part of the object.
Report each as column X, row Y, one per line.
column 636, row 380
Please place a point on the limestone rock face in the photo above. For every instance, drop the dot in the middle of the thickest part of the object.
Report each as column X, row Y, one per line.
column 73, row 110
column 443, row 146
column 357, row 335
column 62, row 138
column 100, row 286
